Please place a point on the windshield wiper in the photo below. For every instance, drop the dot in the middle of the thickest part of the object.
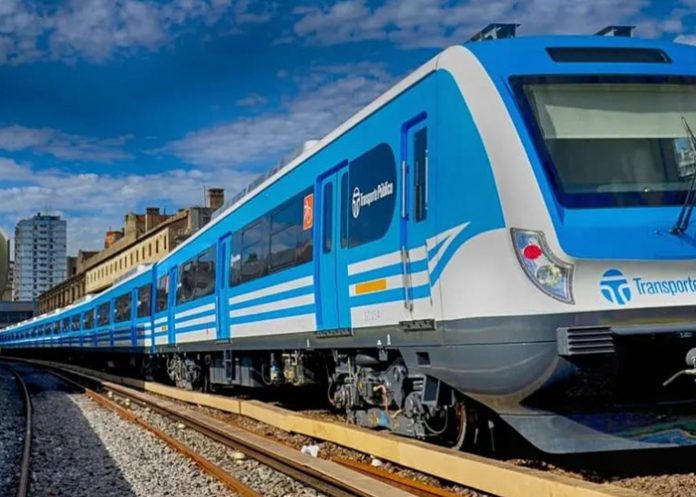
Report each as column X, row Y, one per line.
column 685, row 214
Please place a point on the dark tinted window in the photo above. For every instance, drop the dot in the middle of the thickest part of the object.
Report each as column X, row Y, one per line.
column 205, row 273
column 197, row 276
column 283, row 236
column 184, row 290
column 327, row 226
column 75, row 323
column 103, row 314
column 278, row 240
column 600, row 54
column 89, row 319
column 144, row 296
column 123, row 308
column 420, row 174
column 254, row 255
column 372, row 195
column 66, row 324
column 162, row 293
column 290, row 238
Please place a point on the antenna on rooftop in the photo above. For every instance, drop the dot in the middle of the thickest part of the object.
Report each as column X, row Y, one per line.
column 496, row 31
column 616, row 30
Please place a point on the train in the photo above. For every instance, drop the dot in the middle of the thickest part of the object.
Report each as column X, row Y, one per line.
column 501, row 241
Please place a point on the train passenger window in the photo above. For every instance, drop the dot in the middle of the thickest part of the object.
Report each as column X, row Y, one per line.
column 144, row 296
column 283, row 236
column 103, row 314
column 75, row 322
column 254, row 252
column 372, row 195
column 205, row 272
column 274, row 241
column 420, row 174
column 345, row 200
column 291, row 242
column 184, row 290
column 197, row 276
column 88, row 319
column 66, row 325
column 163, row 293
column 327, row 228
column 122, row 308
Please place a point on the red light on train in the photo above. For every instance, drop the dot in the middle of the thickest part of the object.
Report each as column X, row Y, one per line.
column 532, row 252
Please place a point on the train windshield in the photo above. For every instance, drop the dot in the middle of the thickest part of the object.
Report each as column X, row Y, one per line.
column 618, row 143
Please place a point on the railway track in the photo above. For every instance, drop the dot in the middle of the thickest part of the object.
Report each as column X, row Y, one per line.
column 206, row 465
column 25, row 460
column 487, row 476
column 335, row 481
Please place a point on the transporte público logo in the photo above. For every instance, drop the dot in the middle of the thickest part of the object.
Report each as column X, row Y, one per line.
column 618, row 289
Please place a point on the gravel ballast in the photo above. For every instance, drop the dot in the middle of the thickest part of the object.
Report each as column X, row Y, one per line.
column 81, row 449
column 12, row 425
column 260, row 477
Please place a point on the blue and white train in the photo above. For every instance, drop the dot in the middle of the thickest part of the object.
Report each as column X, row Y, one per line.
column 501, row 239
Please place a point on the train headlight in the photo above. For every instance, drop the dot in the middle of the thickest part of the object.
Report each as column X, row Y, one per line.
column 551, row 275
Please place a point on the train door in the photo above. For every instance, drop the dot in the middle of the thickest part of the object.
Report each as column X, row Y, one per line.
column 222, row 285
column 416, row 220
column 333, row 311
column 171, row 302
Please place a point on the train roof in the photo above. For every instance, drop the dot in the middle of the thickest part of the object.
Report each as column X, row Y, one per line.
column 620, row 55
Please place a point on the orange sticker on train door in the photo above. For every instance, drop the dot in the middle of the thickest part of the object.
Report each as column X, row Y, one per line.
column 308, row 212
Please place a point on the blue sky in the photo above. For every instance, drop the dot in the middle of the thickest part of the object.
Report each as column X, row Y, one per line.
column 108, row 106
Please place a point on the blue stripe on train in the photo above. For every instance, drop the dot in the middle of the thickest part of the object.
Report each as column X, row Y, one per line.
column 281, row 313
column 267, row 299
column 386, row 271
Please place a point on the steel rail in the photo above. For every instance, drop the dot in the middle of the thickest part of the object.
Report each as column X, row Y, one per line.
column 205, row 464
column 410, row 485
column 25, row 463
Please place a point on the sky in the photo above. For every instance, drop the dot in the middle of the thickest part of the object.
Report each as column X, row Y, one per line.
column 110, row 106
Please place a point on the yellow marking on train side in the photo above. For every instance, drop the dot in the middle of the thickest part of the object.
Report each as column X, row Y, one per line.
column 371, row 286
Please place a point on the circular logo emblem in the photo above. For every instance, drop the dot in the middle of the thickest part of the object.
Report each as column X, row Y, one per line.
column 356, row 202
column 614, row 287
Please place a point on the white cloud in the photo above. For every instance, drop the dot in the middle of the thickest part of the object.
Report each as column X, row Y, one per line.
column 327, row 96
column 95, row 29
column 686, row 39
column 92, row 203
column 437, row 23
column 98, row 29
column 20, row 28
column 252, row 100
column 15, row 138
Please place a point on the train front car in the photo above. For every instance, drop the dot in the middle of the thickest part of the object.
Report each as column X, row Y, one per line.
column 576, row 313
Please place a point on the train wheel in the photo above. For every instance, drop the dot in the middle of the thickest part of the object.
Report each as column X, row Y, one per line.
column 472, row 430
column 465, row 435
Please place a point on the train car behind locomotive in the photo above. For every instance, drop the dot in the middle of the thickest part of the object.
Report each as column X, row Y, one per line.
column 505, row 236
